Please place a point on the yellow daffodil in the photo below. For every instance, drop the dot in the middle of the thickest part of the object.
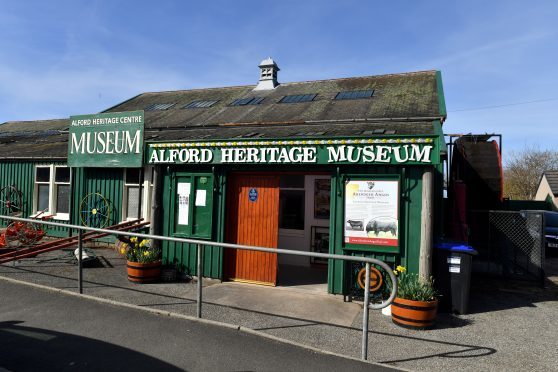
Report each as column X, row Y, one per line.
column 146, row 253
column 401, row 269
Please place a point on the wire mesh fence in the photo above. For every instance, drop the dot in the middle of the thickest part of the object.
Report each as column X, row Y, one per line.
column 510, row 244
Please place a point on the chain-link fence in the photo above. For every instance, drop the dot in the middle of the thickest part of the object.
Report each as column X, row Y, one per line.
column 510, row 244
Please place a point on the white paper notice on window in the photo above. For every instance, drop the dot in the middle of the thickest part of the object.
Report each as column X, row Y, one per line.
column 201, row 198
column 183, row 188
column 183, row 191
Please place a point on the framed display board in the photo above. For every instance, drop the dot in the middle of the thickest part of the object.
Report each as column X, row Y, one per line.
column 320, row 243
column 371, row 215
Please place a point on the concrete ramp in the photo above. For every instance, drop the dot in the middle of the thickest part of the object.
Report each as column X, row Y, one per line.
column 286, row 302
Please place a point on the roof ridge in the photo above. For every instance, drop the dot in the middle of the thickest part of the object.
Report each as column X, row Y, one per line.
column 32, row 121
column 361, row 77
column 297, row 82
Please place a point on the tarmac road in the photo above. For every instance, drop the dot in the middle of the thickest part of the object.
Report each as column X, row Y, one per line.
column 44, row 330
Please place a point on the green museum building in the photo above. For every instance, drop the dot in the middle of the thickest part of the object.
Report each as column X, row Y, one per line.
column 350, row 166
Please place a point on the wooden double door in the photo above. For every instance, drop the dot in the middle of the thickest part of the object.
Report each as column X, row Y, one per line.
column 252, row 219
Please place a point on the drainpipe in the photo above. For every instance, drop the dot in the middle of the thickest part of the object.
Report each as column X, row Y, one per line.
column 155, row 221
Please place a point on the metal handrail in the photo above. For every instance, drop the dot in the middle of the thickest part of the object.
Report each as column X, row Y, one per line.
column 200, row 244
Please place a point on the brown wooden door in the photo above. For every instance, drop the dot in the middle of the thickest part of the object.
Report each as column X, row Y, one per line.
column 252, row 219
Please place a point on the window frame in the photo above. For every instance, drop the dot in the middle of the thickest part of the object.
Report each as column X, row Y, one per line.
column 52, row 193
column 146, row 190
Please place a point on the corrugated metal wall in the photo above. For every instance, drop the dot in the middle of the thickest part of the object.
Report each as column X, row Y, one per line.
column 20, row 175
column 106, row 181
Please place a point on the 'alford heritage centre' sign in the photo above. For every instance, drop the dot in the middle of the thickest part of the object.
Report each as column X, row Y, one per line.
column 112, row 139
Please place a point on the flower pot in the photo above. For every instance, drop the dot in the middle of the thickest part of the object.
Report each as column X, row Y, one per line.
column 143, row 272
column 414, row 314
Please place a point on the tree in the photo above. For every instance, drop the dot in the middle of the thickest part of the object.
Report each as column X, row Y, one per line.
column 523, row 171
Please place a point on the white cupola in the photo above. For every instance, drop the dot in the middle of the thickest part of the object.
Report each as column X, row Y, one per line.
column 268, row 75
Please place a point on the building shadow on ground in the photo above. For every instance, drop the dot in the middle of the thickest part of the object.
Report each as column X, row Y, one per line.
column 34, row 349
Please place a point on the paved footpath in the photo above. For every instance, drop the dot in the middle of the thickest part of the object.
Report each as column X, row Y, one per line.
column 45, row 330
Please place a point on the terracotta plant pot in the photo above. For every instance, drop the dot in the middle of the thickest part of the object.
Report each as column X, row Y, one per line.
column 143, row 272
column 414, row 314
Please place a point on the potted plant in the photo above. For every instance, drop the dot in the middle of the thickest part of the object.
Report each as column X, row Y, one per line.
column 415, row 305
column 143, row 259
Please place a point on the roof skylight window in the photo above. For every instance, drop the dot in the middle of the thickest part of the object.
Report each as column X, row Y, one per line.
column 201, row 104
column 247, row 101
column 298, row 98
column 354, row 94
column 159, row 106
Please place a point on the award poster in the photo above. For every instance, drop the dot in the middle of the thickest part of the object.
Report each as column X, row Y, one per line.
column 371, row 212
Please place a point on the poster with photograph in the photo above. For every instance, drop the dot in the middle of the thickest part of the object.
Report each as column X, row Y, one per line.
column 372, row 212
column 322, row 192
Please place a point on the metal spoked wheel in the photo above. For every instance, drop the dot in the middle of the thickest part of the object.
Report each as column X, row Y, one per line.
column 94, row 210
column 10, row 201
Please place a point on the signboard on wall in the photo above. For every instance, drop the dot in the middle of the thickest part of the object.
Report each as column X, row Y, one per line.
column 112, row 139
column 350, row 151
column 372, row 212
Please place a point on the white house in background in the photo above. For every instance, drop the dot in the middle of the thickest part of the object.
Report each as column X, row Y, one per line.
column 548, row 188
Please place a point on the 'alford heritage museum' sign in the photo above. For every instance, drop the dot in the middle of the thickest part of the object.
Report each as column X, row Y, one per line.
column 350, row 151
column 106, row 140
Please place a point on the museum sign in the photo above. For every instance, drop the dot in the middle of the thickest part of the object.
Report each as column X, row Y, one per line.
column 112, row 139
column 350, row 151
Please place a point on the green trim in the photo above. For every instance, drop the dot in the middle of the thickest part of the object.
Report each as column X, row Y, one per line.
column 441, row 98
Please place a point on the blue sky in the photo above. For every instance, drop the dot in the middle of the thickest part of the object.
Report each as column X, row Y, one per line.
column 62, row 58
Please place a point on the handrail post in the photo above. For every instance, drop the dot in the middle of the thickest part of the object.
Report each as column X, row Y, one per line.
column 200, row 274
column 80, row 263
column 364, row 355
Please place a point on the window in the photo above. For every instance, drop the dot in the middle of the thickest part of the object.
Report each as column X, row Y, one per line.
column 355, row 94
column 247, row 101
column 131, row 194
column 298, row 98
column 291, row 202
column 62, row 187
column 201, row 104
column 52, row 191
column 159, row 106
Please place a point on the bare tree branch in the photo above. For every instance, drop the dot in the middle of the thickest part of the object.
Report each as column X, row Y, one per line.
column 524, row 169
